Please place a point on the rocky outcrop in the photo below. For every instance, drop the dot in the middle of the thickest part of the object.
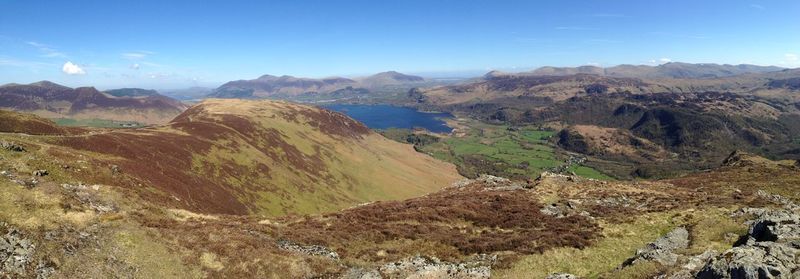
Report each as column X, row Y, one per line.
column 771, row 248
column 478, row 267
column 311, row 250
column 561, row 276
column 754, row 260
column 693, row 265
column 740, row 158
column 491, row 182
column 11, row 146
column 431, row 267
column 663, row 249
column 564, row 209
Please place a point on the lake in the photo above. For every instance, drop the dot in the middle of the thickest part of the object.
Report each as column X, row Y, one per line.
column 386, row 116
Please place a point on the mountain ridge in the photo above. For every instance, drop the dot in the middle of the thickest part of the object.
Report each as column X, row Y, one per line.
column 666, row 70
column 285, row 85
column 52, row 100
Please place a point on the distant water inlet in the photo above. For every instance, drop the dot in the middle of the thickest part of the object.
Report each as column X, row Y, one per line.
column 385, row 116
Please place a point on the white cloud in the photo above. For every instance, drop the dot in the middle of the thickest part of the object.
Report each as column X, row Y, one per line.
column 593, row 64
column 135, row 66
column 72, row 69
column 791, row 57
column 664, row 60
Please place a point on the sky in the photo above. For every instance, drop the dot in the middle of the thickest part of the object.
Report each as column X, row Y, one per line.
column 177, row 44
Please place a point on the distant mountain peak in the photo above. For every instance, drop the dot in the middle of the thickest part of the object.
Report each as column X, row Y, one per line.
column 87, row 102
column 393, row 75
column 495, row 73
column 267, row 77
column 48, row 84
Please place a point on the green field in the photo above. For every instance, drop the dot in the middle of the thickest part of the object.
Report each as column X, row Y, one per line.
column 99, row 123
column 499, row 150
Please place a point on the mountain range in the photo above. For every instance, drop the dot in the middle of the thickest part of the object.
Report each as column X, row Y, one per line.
column 654, row 121
column 678, row 70
column 52, row 100
column 289, row 86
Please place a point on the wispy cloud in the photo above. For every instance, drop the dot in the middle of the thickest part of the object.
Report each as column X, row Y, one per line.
column 688, row 36
column 660, row 61
column 574, row 28
column 608, row 15
column 602, row 41
column 47, row 51
column 527, row 39
column 13, row 62
column 137, row 55
column 757, row 6
column 791, row 60
column 72, row 69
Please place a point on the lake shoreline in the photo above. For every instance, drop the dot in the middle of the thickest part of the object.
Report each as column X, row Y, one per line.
column 384, row 116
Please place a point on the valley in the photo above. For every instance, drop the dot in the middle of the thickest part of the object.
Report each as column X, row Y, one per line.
column 516, row 177
column 238, row 139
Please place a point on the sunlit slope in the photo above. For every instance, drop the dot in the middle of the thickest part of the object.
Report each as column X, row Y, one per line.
column 266, row 157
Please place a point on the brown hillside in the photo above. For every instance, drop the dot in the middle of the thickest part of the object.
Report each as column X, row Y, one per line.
column 13, row 122
column 264, row 157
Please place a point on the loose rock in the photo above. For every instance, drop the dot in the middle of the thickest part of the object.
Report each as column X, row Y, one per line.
column 11, row 146
column 16, row 252
column 312, row 250
column 431, row 267
column 561, row 276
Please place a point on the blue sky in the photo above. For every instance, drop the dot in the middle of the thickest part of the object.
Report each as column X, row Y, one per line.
column 173, row 44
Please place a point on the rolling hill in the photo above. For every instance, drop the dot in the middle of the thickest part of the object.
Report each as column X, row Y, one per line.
column 52, row 100
column 258, row 157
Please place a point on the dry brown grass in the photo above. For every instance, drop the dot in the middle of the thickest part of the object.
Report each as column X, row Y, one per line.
column 470, row 220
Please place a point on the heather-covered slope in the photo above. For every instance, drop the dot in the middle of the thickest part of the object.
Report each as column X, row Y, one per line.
column 51, row 100
column 265, row 157
column 63, row 225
